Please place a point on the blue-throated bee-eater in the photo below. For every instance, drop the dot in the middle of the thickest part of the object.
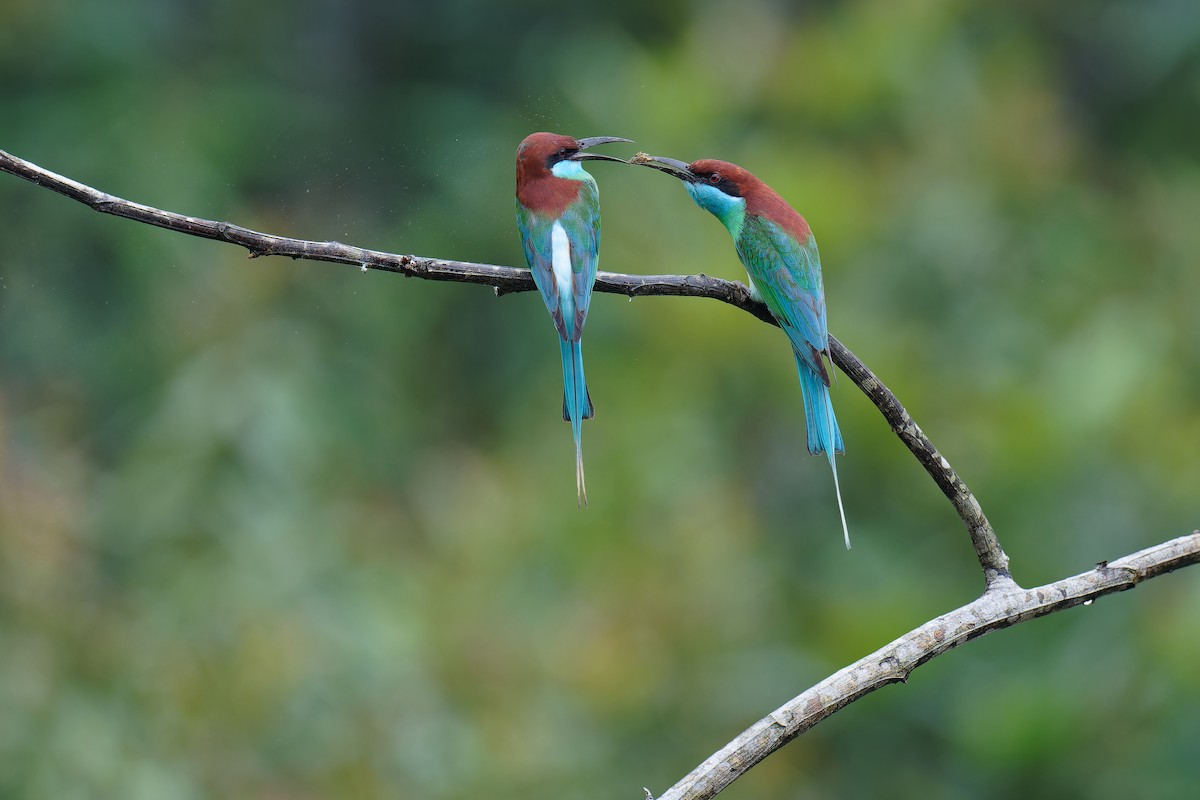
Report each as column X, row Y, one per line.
column 558, row 216
column 778, row 250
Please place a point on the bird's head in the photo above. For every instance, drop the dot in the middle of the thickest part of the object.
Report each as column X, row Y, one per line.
column 549, row 172
column 717, row 186
column 728, row 191
column 540, row 154
column 728, row 179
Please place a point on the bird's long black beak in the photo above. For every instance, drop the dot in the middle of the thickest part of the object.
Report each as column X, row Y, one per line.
column 584, row 144
column 671, row 166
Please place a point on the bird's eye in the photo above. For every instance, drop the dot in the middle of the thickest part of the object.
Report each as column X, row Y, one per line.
column 562, row 152
column 715, row 178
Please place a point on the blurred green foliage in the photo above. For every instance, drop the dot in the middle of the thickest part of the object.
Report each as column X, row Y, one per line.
column 278, row 529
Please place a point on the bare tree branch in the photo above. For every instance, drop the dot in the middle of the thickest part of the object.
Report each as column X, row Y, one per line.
column 505, row 280
column 997, row 608
column 992, row 557
column 1002, row 604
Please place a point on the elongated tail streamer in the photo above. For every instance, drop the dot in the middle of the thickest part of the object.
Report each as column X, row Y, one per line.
column 824, row 436
column 577, row 406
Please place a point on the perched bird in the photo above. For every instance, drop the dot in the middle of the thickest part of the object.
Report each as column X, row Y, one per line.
column 779, row 252
column 558, row 216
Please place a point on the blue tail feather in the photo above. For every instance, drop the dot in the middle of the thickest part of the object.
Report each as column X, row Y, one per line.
column 577, row 406
column 824, row 436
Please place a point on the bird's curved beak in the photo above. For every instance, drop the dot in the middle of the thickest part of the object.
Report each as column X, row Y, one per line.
column 670, row 166
column 584, row 144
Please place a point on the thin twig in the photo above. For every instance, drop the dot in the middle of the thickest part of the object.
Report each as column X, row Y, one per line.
column 506, row 280
column 987, row 547
column 997, row 608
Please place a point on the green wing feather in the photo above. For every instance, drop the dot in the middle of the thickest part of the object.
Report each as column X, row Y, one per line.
column 787, row 274
column 581, row 221
column 535, row 239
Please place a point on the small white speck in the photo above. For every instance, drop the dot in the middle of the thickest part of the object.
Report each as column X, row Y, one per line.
column 1087, row 602
column 364, row 266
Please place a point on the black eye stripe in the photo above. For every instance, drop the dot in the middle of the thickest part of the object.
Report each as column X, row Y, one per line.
column 558, row 155
column 722, row 184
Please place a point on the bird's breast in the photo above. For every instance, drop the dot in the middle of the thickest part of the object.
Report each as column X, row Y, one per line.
column 548, row 196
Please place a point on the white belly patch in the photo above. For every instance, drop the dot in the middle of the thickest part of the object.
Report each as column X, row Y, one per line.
column 561, row 253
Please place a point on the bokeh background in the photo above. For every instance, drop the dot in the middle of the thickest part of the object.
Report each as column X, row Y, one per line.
column 276, row 529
